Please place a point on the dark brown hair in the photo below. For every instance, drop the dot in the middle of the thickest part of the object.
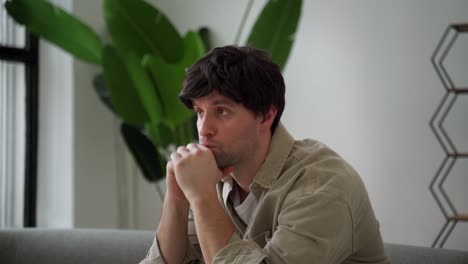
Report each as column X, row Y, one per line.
column 245, row 75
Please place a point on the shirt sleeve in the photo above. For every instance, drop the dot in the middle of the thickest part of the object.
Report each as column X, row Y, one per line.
column 154, row 255
column 192, row 255
column 313, row 228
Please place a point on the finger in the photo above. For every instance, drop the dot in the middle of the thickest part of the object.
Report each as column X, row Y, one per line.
column 192, row 147
column 175, row 156
column 170, row 167
column 202, row 147
column 183, row 151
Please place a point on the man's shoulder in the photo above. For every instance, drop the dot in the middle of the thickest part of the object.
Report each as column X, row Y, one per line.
column 314, row 167
column 310, row 148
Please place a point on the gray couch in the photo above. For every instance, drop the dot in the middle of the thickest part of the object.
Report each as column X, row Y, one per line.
column 21, row 246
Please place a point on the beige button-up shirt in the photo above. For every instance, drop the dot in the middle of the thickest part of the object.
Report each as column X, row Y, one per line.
column 312, row 208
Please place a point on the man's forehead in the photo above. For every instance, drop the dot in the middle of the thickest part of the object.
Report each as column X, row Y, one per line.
column 214, row 98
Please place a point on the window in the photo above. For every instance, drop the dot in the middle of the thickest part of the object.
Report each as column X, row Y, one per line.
column 18, row 123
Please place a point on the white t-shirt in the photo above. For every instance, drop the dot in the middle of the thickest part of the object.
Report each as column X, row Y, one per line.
column 245, row 209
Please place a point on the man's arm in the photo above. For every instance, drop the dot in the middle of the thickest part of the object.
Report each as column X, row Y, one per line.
column 197, row 174
column 172, row 231
column 214, row 228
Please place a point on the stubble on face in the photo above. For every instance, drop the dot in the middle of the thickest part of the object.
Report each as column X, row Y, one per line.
column 226, row 159
column 236, row 155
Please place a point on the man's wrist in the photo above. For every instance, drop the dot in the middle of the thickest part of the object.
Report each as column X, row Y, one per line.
column 178, row 203
column 203, row 199
column 177, row 209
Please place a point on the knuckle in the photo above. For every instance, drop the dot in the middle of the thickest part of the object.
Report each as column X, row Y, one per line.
column 181, row 148
column 169, row 165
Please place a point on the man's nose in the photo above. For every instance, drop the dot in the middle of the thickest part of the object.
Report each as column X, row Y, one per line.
column 206, row 126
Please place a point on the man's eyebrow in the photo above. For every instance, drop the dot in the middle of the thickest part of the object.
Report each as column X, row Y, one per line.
column 219, row 102
column 223, row 102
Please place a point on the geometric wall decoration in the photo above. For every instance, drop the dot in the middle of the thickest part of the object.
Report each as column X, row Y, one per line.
column 453, row 153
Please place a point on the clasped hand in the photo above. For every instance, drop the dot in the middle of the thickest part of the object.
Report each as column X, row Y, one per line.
column 196, row 171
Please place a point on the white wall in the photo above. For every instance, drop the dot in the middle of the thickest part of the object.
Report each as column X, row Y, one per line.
column 95, row 161
column 359, row 79
column 55, row 147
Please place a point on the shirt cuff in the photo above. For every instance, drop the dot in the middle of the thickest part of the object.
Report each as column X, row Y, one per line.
column 154, row 255
column 240, row 251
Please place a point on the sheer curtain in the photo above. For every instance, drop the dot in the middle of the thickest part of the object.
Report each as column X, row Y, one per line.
column 12, row 126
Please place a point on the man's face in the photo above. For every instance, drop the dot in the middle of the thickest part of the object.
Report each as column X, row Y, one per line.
column 227, row 128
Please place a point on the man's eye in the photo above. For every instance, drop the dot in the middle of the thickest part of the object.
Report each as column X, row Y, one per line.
column 199, row 112
column 223, row 111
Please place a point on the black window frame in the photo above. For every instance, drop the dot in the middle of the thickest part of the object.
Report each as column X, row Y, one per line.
column 29, row 56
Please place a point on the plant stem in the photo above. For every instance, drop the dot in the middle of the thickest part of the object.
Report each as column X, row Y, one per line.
column 242, row 24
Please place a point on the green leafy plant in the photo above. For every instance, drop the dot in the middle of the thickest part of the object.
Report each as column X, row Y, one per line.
column 144, row 64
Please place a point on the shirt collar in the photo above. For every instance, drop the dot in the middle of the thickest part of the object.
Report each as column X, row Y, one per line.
column 278, row 152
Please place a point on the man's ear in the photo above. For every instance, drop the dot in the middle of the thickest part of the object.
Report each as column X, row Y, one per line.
column 269, row 116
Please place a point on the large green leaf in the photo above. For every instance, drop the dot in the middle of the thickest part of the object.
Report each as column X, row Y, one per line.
column 161, row 134
column 102, row 92
column 124, row 96
column 144, row 152
column 58, row 27
column 164, row 136
column 275, row 29
column 169, row 78
column 194, row 48
column 204, row 33
column 187, row 131
column 139, row 27
column 145, row 88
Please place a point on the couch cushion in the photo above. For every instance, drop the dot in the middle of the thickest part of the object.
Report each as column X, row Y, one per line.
column 423, row 255
column 46, row 246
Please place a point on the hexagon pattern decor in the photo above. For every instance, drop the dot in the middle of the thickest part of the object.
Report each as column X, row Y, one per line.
column 453, row 91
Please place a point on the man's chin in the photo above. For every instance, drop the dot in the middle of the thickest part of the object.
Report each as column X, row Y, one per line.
column 222, row 163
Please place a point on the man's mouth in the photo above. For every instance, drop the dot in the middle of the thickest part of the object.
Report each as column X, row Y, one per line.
column 212, row 147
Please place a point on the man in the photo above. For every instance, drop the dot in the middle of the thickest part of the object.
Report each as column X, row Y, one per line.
column 252, row 193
